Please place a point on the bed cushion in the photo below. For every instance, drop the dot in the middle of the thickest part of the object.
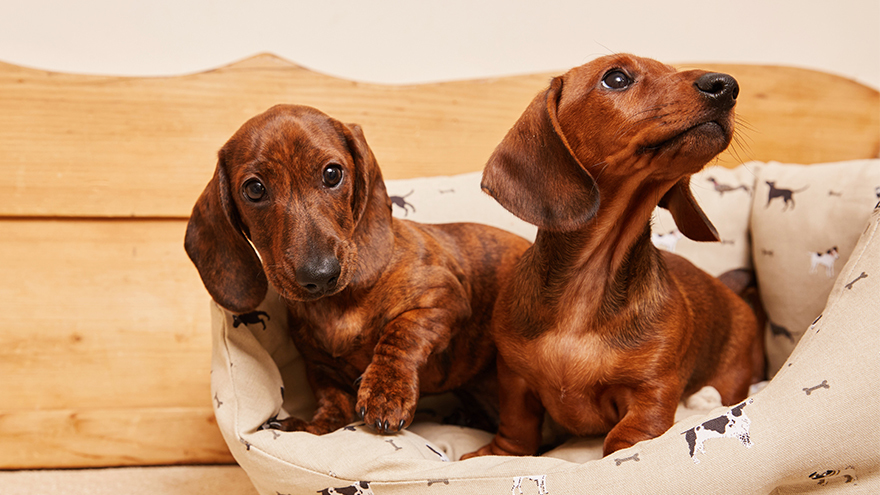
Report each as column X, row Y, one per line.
column 788, row 437
column 804, row 228
column 456, row 198
column 812, row 427
column 724, row 194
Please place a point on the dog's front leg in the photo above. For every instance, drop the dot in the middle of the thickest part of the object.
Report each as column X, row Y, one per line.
column 649, row 413
column 521, row 415
column 335, row 407
column 389, row 389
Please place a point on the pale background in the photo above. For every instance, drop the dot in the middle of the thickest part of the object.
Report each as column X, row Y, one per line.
column 412, row 41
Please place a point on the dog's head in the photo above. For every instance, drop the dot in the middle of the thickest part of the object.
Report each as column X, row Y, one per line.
column 617, row 125
column 294, row 195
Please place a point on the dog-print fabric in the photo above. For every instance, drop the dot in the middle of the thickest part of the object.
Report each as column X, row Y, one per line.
column 807, row 427
column 732, row 424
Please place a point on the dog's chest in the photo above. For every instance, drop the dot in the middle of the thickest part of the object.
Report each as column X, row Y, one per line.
column 339, row 331
column 568, row 372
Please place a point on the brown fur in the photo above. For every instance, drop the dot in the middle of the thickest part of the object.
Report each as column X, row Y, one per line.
column 597, row 327
column 397, row 306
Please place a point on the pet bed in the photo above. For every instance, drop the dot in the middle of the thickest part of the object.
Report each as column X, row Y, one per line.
column 789, row 436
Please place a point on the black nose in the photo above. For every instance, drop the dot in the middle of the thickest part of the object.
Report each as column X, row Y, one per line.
column 319, row 276
column 720, row 88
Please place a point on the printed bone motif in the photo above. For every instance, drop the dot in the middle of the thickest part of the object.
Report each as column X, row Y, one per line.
column 634, row 457
column 810, row 390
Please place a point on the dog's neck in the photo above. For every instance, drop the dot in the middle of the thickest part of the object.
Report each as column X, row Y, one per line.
column 609, row 268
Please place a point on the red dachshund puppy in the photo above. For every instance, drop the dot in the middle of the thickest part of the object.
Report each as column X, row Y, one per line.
column 381, row 309
column 597, row 327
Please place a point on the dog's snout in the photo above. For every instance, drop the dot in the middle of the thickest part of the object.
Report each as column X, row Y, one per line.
column 320, row 276
column 720, row 88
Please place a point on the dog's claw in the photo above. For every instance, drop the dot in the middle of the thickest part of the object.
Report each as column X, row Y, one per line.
column 386, row 401
column 357, row 381
column 271, row 424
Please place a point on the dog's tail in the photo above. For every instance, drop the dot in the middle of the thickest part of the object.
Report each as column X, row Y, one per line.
column 739, row 280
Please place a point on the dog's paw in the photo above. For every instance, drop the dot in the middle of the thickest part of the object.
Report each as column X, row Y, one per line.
column 316, row 426
column 498, row 446
column 387, row 399
column 288, row 424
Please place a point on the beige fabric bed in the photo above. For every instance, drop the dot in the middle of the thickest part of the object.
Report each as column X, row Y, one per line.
column 811, row 427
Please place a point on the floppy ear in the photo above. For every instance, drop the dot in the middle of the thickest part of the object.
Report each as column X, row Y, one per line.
column 369, row 188
column 228, row 265
column 688, row 216
column 534, row 174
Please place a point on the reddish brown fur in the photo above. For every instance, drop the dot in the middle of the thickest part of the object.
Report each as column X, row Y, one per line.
column 597, row 327
column 409, row 311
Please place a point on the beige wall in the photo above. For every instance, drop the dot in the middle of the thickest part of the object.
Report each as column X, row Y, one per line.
column 400, row 41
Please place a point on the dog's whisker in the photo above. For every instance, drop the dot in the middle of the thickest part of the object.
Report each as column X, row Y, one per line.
column 740, row 148
column 740, row 122
column 605, row 165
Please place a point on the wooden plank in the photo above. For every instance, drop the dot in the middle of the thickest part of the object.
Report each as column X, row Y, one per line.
column 77, row 145
column 79, row 438
column 105, row 350
column 101, row 314
column 101, row 146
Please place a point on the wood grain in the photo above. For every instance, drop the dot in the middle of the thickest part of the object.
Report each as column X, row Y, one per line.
column 77, row 145
column 90, row 437
column 101, row 314
column 105, row 348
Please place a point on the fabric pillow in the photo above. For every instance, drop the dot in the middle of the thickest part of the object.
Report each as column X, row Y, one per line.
column 805, row 222
column 812, row 427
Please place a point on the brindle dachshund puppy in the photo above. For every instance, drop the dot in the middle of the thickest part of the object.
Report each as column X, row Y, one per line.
column 597, row 327
column 298, row 201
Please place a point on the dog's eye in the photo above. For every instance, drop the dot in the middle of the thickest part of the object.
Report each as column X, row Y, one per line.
column 254, row 190
column 332, row 175
column 616, row 79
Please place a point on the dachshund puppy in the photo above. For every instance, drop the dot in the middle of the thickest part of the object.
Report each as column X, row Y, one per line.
column 381, row 309
column 597, row 327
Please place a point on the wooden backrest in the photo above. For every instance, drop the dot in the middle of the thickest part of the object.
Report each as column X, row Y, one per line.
column 145, row 147
column 105, row 340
